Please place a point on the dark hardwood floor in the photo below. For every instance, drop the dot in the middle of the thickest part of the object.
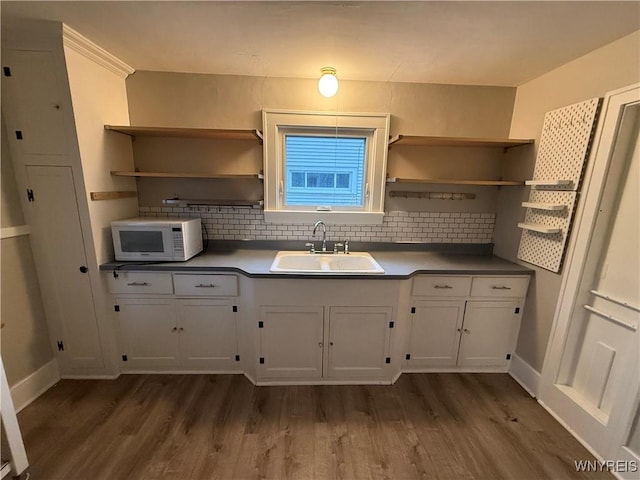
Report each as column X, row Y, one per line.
column 426, row 426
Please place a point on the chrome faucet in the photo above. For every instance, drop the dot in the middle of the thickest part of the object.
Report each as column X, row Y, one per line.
column 324, row 233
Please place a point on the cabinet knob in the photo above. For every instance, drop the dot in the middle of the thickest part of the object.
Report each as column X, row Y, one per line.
column 466, row 330
column 181, row 329
column 459, row 330
column 503, row 287
column 442, row 286
column 331, row 344
column 320, row 344
column 174, row 329
column 83, row 269
column 137, row 284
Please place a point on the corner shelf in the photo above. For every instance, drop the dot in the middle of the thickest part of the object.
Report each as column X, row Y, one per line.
column 257, row 176
column 498, row 183
column 213, row 133
column 428, row 141
column 544, row 206
column 535, row 227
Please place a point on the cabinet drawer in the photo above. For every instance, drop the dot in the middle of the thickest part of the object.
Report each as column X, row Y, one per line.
column 441, row 286
column 137, row 282
column 499, row 286
column 206, row 285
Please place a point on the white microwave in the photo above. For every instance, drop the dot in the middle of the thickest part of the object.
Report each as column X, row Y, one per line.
column 156, row 239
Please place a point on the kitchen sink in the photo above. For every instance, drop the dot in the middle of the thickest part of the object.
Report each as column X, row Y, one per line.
column 325, row 263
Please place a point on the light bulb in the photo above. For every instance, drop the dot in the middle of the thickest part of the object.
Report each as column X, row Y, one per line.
column 328, row 83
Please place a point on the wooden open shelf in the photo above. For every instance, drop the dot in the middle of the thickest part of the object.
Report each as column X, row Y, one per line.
column 498, row 183
column 186, row 202
column 256, row 176
column 427, row 141
column 221, row 134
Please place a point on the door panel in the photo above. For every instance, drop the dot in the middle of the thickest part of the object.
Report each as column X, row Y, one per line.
column 489, row 334
column 435, row 334
column 591, row 375
column 148, row 333
column 208, row 337
column 59, row 252
column 358, row 341
column 39, row 113
column 291, row 342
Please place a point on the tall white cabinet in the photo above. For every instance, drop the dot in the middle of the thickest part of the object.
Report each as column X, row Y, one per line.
column 54, row 121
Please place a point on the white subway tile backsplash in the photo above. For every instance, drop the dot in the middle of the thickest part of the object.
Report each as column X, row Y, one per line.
column 229, row 223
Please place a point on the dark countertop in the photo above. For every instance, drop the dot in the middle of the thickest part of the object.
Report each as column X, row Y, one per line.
column 397, row 265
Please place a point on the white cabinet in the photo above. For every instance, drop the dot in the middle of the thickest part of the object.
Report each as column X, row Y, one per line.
column 314, row 342
column 489, row 333
column 358, row 341
column 57, row 144
column 148, row 332
column 207, row 335
column 326, row 330
column 36, row 105
column 160, row 331
column 291, row 341
column 435, row 333
column 475, row 329
column 63, row 269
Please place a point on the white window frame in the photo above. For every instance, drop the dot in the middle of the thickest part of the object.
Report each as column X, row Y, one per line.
column 277, row 123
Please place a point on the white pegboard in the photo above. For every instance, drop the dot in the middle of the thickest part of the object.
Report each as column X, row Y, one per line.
column 547, row 249
column 564, row 143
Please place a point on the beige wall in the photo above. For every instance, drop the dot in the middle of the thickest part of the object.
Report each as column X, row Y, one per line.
column 225, row 101
column 25, row 337
column 99, row 97
column 608, row 68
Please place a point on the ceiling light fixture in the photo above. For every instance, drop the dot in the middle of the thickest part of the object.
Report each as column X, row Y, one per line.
column 328, row 83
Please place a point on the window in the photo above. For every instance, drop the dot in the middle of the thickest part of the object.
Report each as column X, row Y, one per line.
column 323, row 166
column 324, row 170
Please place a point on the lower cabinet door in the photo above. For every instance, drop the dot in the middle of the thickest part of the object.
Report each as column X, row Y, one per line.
column 148, row 333
column 358, row 341
column 434, row 335
column 208, row 336
column 291, row 342
column 489, row 334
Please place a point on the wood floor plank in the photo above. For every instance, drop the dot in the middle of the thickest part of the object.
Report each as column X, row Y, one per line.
column 203, row 427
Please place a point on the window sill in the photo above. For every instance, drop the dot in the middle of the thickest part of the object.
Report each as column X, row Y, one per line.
column 330, row 218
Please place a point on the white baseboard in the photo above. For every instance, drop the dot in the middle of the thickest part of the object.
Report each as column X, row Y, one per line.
column 571, row 431
column 28, row 389
column 525, row 375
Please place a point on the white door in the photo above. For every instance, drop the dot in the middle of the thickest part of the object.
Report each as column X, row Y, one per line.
column 207, row 335
column 148, row 333
column 590, row 378
column 358, row 341
column 61, row 263
column 36, row 117
column 489, row 333
column 435, row 334
column 291, row 342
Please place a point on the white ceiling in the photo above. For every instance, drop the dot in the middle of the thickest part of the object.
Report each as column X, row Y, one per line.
column 476, row 43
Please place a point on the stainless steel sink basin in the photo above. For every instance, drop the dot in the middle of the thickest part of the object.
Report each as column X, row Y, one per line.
column 304, row 262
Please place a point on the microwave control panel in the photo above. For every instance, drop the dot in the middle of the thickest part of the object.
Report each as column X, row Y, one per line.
column 178, row 243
